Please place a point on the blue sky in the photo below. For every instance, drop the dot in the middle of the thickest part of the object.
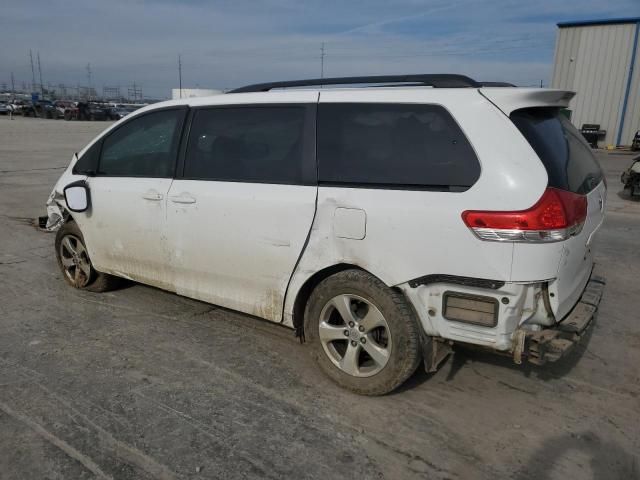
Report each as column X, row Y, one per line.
column 226, row 44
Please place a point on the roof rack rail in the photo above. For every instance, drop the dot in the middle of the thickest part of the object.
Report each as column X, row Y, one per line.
column 496, row 84
column 439, row 80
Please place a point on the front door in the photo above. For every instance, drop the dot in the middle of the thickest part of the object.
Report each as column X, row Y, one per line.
column 239, row 218
column 125, row 228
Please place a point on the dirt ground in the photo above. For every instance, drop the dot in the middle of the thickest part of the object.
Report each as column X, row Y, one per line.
column 141, row 384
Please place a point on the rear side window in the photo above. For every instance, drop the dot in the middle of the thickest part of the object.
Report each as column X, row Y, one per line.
column 146, row 146
column 391, row 145
column 247, row 144
column 570, row 163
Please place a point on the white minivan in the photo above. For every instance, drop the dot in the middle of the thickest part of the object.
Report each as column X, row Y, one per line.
column 384, row 219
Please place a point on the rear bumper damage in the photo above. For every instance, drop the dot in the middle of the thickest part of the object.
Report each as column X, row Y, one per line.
column 550, row 344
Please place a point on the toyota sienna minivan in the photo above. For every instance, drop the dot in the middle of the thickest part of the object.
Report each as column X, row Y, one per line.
column 384, row 219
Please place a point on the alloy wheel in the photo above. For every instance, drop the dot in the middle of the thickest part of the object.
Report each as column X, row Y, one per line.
column 75, row 261
column 355, row 335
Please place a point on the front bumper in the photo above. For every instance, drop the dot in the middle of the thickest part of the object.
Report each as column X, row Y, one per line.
column 550, row 344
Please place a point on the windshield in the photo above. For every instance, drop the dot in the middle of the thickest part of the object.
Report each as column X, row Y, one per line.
column 570, row 163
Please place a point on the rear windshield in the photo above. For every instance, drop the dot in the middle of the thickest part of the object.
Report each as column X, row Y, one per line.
column 570, row 163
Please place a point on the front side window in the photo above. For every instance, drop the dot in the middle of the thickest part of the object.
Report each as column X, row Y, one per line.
column 144, row 147
column 87, row 164
column 247, row 144
column 393, row 145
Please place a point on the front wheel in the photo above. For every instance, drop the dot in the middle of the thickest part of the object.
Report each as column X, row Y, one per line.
column 364, row 334
column 73, row 260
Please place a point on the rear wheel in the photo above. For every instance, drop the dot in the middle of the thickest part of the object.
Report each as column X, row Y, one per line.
column 364, row 334
column 73, row 260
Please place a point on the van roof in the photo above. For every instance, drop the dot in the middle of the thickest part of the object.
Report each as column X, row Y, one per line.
column 506, row 99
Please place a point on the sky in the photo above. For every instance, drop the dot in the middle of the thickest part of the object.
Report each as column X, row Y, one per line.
column 226, row 44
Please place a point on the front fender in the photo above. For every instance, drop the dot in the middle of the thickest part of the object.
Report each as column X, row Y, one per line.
column 57, row 212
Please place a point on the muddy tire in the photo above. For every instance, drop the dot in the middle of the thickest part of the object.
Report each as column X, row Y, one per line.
column 363, row 334
column 75, row 264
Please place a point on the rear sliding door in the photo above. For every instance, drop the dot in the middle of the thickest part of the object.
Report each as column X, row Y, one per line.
column 239, row 216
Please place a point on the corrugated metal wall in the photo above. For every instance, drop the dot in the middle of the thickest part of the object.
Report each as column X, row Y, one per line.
column 594, row 61
column 632, row 117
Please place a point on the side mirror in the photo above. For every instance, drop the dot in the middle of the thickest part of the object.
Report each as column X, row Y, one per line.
column 77, row 197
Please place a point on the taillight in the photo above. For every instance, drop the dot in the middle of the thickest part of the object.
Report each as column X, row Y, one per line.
column 555, row 217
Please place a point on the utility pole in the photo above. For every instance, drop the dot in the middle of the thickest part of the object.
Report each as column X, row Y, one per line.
column 136, row 91
column 89, row 81
column 40, row 73
column 180, row 74
column 33, row 72
column 13, row 85
column 322, row 60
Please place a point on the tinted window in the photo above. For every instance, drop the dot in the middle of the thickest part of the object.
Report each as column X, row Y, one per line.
column 393, row 145
column 570, row 163
column 87, row 164
column 144, row 147
column 247, row 144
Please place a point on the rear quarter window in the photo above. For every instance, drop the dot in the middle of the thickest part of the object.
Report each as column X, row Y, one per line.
column 393, row 146
column 565, row 154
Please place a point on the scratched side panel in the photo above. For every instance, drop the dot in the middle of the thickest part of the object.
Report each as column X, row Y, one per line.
column 238, row 244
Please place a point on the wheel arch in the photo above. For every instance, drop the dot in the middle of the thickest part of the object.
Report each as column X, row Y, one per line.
column 304, row 292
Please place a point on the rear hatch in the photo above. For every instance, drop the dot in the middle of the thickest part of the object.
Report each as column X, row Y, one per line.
column 571, row 167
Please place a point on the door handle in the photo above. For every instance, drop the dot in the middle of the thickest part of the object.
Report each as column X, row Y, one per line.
column 182, row 198
column 152, row 195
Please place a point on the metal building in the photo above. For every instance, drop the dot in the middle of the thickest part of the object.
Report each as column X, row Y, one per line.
column 596, row 59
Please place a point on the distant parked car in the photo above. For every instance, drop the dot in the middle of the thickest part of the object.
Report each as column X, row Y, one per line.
column 4, row 108
column 45, row 109
column 87, row 111
column 62, row 106
column 120, row 111
column 631, row 177
column 635, row 144
column 28, row 109
column 16, row 106
column 97, row 111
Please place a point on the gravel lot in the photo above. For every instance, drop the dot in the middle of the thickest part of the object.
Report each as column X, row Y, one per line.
column 140, row 383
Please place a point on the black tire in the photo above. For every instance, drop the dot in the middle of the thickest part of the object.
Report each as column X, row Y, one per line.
column 405, row 341
column 96, row 281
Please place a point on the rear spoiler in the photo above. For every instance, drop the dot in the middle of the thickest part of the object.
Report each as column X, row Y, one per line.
column 510, row 99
